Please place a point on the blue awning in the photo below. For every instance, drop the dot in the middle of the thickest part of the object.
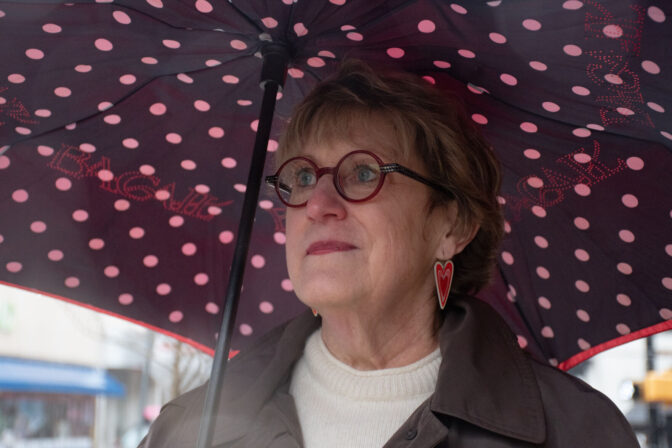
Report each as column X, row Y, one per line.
column 39, row 376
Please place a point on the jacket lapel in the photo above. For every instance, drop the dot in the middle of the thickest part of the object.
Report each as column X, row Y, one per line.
column 485, row 378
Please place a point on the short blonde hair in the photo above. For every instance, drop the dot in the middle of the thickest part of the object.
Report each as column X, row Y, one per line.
column 428, row 123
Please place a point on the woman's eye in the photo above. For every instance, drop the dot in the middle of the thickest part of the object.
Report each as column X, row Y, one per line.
column 305, row 178
column 365, row 173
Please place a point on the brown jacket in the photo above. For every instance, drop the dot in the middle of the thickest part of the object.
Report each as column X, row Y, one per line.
column 489, row 394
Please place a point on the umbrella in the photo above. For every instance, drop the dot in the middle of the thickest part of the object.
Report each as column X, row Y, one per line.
column 126, row 131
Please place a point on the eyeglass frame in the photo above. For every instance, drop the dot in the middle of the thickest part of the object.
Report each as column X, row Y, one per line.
column 385, row 169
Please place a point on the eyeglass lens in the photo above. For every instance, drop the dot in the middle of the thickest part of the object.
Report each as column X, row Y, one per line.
column 357, row 177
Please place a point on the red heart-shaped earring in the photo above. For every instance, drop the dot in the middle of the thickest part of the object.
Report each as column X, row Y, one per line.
column 443, row 276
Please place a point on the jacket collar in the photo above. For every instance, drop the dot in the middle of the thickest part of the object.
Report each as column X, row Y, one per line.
column 484, row 378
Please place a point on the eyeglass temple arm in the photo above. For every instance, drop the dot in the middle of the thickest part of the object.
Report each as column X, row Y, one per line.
column 396, row 168
column 272, row 180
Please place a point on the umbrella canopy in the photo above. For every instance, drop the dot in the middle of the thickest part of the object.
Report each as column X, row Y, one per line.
column 126, row 131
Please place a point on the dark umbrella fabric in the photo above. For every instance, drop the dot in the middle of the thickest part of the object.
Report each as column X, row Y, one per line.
column 126, row 130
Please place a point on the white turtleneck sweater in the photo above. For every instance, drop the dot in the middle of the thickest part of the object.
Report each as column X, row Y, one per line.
column 340, row 406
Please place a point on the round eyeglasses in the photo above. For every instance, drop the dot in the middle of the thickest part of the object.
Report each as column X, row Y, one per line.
column 358, row 177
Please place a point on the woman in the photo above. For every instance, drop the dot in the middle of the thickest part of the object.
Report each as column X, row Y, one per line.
column 389, row 189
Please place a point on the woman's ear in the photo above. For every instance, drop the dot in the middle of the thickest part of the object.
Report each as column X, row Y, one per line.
column 455, row 235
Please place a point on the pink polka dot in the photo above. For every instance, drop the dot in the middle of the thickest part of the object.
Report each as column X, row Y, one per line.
column 480, row 119
column 300, row 29
column 130, row 143
column 582, row 190
column 201, row 105
column 539, row 66
column 528, row 127
column 613, row 78
column 316, row 62
column 157, row 109
column 279, row 237
column 572, row 4
column 80, row 215
column 63, row 184
column 34, row 53
column 149, row 60
column 55, row 255
column 326, row 54
column 62, row 92
column 266, row 307
column 201, row 279
column 442, row 64
column 497, row 38
column 458, row 8
column 572, row 50
column 272, row 145
column 550, row 106
column 87, row 148
column 14, row 267
column 338, row 2
column 245, row 329
column 105, row 175
column 626, row 236
column 579, row 90
column 668, row 249
column 103, row 106
column 211, row 308
column 541, row 242
column 4, row 162
column 265, row 204
column 174, row 138
column 581, row 255
column 127, row 79
column 535, row 182
column 147, row 170
column 357, row 37
column 226, row 237
column 122, row 205
column 121, row 17
column 651, row 67
column 176, row 221
column 201, row 188
column 624, row 268
column 612, row 31
column 582, row 286
column 522, row 342
column 103, row 44
column 83, row 68
column 635, row 163
column 240, row 188
column 216, row 132
column 656, row 14
column 543, row 273
column 623, row 299
column 544, row 303
column 258, row 261
column 189, row 249
column 583, row 315
column 595, row 127
column 395, row 53
column 532, row 154
column 478, row 90
column 175, row 316
column 630, row 200
column 20, row 196
column 45, row 151
column 269, row 22
column 532, row 24
column 426, row 26
column 667, row 282
column 38, row 227
column 507, row 258
column 125, row 299
column 111, row 271
column 286, row 285
column 44, row 113
column 538, row 211
column 622, row 329
column 583, row 344
column 112, row 119
column 203, row 6
column 547, row 332
column 163, row 289
column 666, row 313
column 625, row 111
column 188, row 165
column 51, row 28
column 581, row 132
column 466, row 53
column 183, row 77
column 244, row 102
column 136, row 233
column 508, row 79
column 16, row 78
column 653, row 106
column 22, row 130
column 96, row 243
column 581, row 223
column 170, row 43
column 150, row 261
column 72, row 282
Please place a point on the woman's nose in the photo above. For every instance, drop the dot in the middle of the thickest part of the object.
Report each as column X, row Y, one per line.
column 325, row 202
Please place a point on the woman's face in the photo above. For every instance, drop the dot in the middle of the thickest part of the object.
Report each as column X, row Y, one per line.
column 369, row 256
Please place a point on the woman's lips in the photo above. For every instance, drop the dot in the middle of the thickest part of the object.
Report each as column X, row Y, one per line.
column 329, row 246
